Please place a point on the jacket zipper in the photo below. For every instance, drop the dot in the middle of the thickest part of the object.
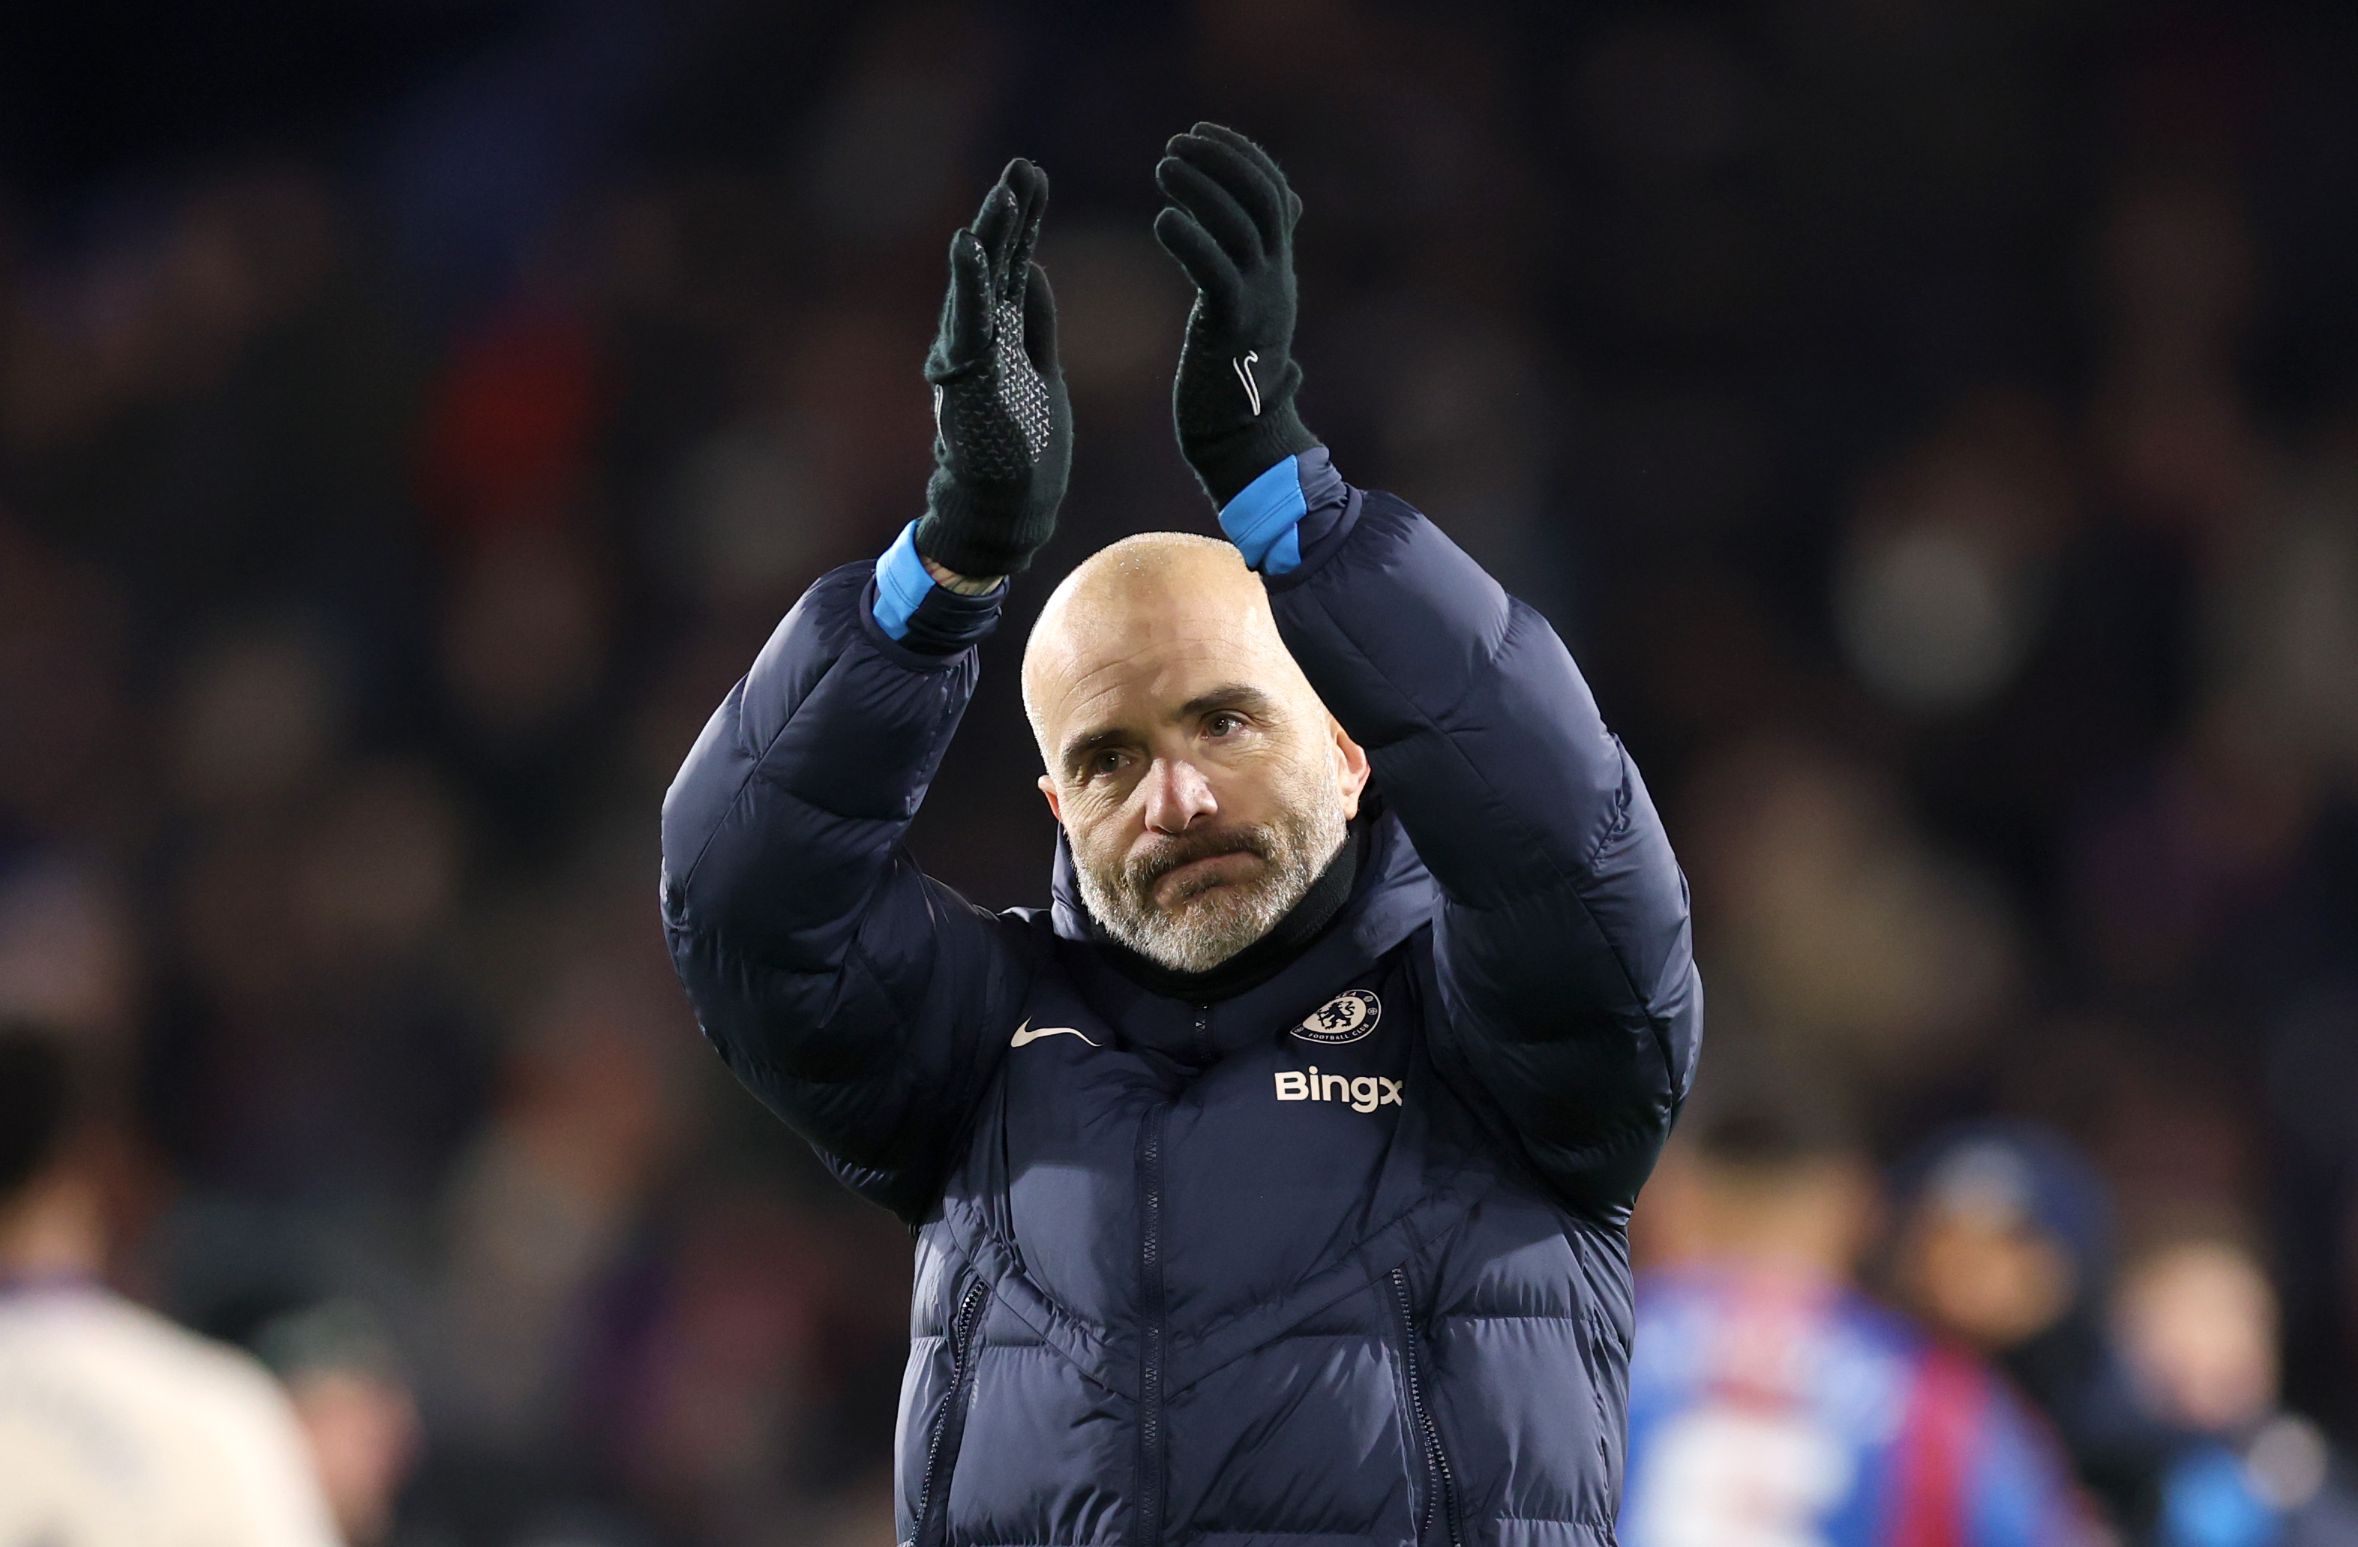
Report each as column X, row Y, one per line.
column 950, row 1423
column 1438, row 1483
column 1150, row 1305
column 1150, row 1337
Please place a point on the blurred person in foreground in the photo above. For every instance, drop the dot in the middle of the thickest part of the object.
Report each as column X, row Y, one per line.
column 2196, row 1317
column 1273, row 1183
column 2004, row 1243
column 1771, row 1402
column 354, row 1403
column 117, row 1427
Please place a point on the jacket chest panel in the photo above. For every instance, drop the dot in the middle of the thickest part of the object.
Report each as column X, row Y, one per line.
column 1057, row 1166
column 1288, row 1153
column 1263, row 1164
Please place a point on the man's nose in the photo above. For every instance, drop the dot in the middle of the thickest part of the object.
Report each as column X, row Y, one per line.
column 1176, row 794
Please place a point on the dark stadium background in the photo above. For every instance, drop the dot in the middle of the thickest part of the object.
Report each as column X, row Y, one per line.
column 1934, row 424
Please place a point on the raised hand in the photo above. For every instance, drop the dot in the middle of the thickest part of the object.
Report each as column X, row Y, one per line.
column 1230, row 225
column 1003, row 428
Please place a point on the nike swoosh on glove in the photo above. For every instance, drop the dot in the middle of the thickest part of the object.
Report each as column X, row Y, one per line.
column 1230, row 226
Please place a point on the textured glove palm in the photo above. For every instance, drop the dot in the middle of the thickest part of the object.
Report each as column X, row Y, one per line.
column 1231, row 227
column 1003, row 427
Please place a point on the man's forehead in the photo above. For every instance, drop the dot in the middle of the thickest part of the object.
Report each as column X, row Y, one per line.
column 1099, row 628
column 1160, row 646
column 1150, row 631
column 1160, row 668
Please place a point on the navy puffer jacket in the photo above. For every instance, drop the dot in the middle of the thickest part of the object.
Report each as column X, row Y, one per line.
column 1340, row 1258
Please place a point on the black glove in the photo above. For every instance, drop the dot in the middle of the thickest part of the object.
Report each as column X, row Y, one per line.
column 1003, row 429
column 1231, row 227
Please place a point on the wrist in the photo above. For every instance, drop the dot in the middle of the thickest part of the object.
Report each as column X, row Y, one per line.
column 950, row 579
column 1226, row 463
column 914, row 606
column 980, row 539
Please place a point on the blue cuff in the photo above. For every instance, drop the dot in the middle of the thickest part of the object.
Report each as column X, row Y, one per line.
column 1262, row 519
column 902, row 583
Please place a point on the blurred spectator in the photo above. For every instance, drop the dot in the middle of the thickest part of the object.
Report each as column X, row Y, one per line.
column 354, row 1402
column 1769, row 1401
column 117, row 1427
column 2197, row 1320
column 2003, row 1243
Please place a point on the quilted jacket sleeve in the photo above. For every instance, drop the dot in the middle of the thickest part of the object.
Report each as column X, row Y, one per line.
column 861, row 1000
column 1571, row 1000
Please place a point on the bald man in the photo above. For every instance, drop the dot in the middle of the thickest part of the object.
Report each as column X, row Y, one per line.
column 1177, row 626
column 1270, row 1187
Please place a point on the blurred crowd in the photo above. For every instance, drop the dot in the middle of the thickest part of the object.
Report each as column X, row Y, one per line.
column 1933, row 426
column 1973, row 1348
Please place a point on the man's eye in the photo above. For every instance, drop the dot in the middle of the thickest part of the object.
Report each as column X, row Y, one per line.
column 1224, row 718
column 1106, row 762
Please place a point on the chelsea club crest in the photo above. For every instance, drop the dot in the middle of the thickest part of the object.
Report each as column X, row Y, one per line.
column 1347, row 1017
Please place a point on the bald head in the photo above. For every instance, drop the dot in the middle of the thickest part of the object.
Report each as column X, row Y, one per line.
column 1152, row 589
column 1200, row 781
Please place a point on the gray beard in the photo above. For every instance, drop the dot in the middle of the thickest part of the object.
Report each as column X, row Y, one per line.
column 1204, row 927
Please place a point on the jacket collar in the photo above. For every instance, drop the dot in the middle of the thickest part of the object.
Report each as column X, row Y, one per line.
column 1390, row 898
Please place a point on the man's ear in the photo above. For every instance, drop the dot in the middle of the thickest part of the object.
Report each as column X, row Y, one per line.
column 1055, row 806
column 1351, row 767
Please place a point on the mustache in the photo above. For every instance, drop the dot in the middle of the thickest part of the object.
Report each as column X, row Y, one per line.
column 1144, row 873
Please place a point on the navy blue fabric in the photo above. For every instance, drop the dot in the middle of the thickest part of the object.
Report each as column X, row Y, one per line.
column 1232, row 1272
column 932, row 619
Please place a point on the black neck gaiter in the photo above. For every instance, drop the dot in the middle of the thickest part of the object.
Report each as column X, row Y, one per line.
column 1265, row 957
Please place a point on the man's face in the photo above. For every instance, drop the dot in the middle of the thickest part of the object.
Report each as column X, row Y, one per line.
column 2198, row 1323
column 1201, row 784
column 1982, row 1271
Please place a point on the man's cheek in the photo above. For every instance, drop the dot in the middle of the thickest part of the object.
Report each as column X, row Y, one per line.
column 1088, row 833
column 1094, row 815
